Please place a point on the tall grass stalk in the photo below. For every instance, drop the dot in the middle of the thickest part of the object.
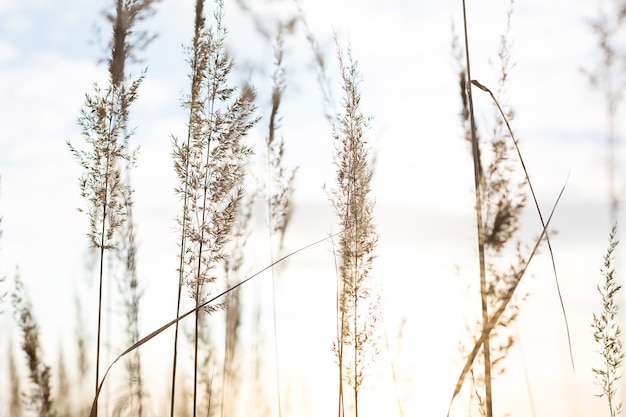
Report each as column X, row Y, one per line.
column 392, row 364
column 104, row 120
column 126, row 15
column 101, row 184
column 15, row 394
column 233, row 306
column 210, row 164
column 280, row 179
column 63, row 392
column 503, row 200
column 40, row 393
column 131, row 294
column 607, row 75
column 607, row 332
column 515, row 273
column 279, row 188
column 198, row 64
column 323, row 80
column 479, row 220
column 359, row 301
column 82, row 360
column 500, row 200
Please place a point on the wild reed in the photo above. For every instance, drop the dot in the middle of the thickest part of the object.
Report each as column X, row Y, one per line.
column 609, row 77
column 130, row 294
column 471, row 134
column 127, row 40
column 101, row 184
column 198, row 63
column 231, row 369
column 104, row 127
column 500, row 200
column 82, row 360
column 15, row 395
column 607, row 331
column 323, row 80
column 359, row 311
column 210, row 162
column 279, row 186
column 494, row 183
column 63, row 392
column 39, row 396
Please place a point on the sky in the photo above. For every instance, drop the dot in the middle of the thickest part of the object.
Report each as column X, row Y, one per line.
column 51, row 54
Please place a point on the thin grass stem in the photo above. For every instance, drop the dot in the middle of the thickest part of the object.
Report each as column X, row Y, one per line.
column 479, row 222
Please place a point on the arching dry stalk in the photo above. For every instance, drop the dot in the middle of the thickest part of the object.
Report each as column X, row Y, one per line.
column 206, row 305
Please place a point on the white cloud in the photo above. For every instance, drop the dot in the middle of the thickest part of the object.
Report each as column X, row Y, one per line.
column 7, row 53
